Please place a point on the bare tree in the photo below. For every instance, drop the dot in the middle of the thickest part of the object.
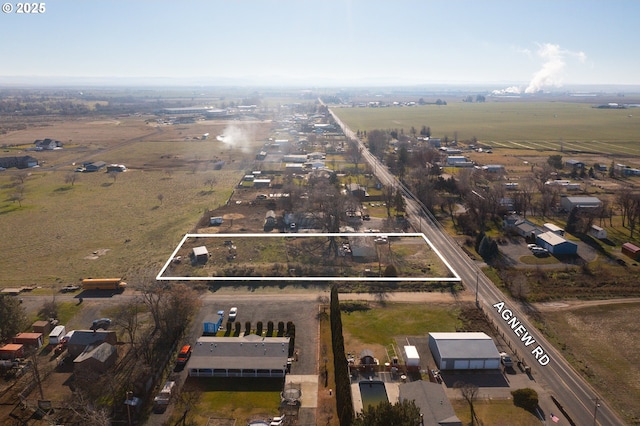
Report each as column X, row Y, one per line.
column 70, row 178
column 17, row 197
column 19, row 177
column 211, row 182
column 160, row 198
column 470, row 394
column 113, row 175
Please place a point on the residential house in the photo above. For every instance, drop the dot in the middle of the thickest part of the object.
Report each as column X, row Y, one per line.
column 81, row 339
column 47, row 144
column 22, row 162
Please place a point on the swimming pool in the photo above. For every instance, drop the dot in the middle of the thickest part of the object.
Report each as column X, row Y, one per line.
column 372, row 393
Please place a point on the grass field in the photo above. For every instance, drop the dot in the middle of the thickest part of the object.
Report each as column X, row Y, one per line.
column 111, row 225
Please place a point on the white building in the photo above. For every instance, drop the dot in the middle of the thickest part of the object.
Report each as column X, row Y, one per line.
column 464, row 351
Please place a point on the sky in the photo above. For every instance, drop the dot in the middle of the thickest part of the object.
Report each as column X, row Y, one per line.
column 513, row 45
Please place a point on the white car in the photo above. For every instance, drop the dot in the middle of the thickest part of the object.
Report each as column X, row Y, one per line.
column 233, row 312
column 277, row 421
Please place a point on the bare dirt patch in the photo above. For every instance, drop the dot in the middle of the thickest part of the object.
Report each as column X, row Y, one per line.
column 601, row 343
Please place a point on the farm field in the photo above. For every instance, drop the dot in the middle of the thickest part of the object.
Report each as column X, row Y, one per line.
column 539, row 126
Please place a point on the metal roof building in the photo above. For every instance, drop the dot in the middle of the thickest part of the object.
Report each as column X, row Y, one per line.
column 245, row 356
column 556, row 244
column 464, row 351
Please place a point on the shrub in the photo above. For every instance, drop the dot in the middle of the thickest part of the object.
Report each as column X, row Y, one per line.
column 526, row 398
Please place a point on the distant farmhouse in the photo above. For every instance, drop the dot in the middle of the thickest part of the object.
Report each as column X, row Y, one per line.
column 47, row 144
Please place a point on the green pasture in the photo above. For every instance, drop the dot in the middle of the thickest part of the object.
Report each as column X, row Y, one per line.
column 521, row 125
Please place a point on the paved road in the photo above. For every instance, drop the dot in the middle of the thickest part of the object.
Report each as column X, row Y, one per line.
column 578, row 399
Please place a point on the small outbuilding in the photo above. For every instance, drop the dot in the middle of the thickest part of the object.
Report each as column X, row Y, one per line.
column 631, row 250
column 29, row 339
column 412, row 358
column 200, row 254
column 12, row 351
column 464, row 351
column 41, row 327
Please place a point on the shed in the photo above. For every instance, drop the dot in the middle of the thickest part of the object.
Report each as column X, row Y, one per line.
column 95, row 166
column 200, row 254
column 412, row 357
column 556, row 244
column 464, row 351
column 29, row 339
column 12, row 351
column 41, row 327
column 631, row 250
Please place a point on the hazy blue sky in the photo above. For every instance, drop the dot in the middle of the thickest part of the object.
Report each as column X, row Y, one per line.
column 535, row 44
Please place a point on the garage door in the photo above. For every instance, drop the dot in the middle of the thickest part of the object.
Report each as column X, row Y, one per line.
column 492, row 363
column 461, row 364
column 476, row 364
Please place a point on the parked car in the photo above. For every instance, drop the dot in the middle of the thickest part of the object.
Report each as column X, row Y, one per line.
column 277, row 421
column 233, row 312
column 103, row 323
column 70, row 288
column 184, row 355
column 506, row 360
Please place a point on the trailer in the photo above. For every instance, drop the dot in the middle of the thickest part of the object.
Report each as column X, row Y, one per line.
column 103, row 284
column 412, row 357
column 57, row 334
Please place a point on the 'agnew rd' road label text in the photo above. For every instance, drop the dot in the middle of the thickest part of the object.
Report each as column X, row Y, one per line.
column 522, row 333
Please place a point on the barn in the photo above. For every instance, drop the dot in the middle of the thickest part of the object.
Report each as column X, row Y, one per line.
column 464, row 351
column 556, row 244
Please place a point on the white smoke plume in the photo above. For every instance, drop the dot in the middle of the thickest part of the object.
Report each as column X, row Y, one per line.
column 237, row 137
column 552, row 72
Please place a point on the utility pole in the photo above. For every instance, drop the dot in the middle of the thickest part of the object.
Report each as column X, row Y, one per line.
column 595, row 412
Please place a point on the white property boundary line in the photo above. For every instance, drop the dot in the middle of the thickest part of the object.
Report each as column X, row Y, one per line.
column 456, row 277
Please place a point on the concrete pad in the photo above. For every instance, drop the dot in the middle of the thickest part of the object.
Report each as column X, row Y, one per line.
column 308, row 386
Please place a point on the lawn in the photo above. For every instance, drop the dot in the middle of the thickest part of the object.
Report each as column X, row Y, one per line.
column 380, row 326
column 495, row 413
